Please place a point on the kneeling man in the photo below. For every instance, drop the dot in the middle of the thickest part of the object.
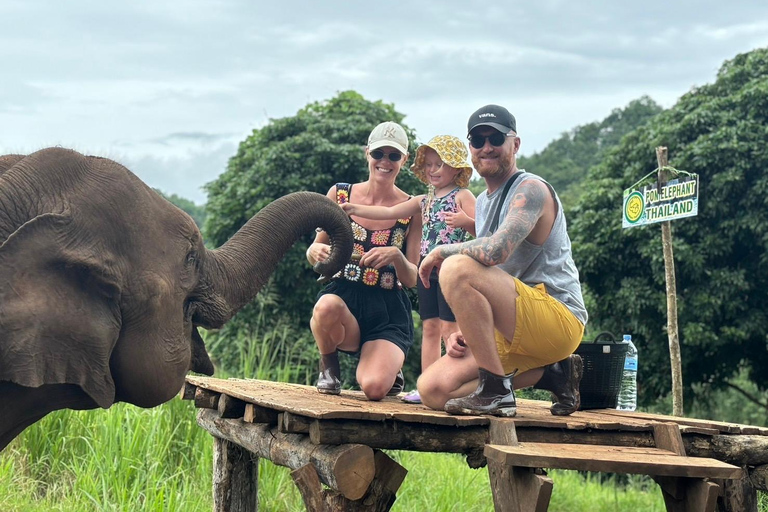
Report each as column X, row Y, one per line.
column 514, row 290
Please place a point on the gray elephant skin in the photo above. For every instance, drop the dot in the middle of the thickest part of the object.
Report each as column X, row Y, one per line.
column 103, row 283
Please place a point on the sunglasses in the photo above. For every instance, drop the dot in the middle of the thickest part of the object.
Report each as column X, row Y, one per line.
column 497, row 139
column 378, row 154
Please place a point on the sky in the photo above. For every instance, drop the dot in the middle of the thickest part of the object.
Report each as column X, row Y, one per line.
column 169, row 88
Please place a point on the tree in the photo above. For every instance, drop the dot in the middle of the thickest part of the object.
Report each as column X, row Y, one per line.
column 721, row 256
column 565, row 161
column 321, row 145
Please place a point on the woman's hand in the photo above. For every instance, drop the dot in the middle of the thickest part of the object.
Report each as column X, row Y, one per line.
column 379, row 257
column 318, row 252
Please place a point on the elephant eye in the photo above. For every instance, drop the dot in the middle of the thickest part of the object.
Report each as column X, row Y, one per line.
column 191, row 258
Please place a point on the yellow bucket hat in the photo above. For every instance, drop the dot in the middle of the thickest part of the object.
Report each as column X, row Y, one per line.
column 451, row 151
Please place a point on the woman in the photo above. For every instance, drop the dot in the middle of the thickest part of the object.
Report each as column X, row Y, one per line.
column 364, row 308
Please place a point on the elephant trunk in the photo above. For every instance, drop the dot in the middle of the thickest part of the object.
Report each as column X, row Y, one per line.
column 236, row 271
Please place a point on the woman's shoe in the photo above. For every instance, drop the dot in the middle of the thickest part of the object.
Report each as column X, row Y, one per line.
column 412, row 397
column 329, row 382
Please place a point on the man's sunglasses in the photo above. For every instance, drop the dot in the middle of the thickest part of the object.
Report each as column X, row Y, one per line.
column 497, row 139
column 378, row 154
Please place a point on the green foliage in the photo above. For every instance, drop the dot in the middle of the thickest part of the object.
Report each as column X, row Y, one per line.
column 565, row 161
column 721, row 257
column 197, row 212
column 321, row 145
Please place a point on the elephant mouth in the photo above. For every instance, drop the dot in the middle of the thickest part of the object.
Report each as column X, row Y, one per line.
column 201, row 362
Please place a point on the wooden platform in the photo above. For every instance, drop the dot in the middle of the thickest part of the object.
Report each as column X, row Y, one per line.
column 295, row 417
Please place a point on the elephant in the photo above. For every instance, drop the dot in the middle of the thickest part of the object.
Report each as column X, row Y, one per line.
column 104, row 283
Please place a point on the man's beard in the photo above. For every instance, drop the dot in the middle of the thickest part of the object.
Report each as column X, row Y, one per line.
column 504, row 163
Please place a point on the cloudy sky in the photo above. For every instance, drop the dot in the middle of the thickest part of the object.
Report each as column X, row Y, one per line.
column 170, row 87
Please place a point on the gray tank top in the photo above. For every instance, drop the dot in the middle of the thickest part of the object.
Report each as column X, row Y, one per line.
column 550, row 263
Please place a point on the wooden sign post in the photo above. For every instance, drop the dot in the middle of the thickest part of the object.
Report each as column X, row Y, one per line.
column 665, row 200
column 669, row 276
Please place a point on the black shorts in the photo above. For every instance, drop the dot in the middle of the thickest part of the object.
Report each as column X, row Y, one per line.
column 432, row 304
column 381, row 314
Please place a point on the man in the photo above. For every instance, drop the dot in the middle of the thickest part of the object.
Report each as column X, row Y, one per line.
column 514, row 290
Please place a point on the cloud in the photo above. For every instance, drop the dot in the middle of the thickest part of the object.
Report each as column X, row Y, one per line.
column 170, row 87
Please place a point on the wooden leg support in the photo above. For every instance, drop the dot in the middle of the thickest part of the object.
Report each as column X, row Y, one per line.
column 515, row 489
column 235, row 478
column 688, row 494
column 380, row 496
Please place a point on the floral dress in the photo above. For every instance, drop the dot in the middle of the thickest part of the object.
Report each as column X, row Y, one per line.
column 367, row 239
column 435, row 231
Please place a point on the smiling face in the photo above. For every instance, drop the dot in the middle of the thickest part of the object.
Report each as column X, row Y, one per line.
column 493, row 161
column 384, row 167
column 439, row 174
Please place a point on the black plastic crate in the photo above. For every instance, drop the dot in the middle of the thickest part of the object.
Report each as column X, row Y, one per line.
column 603, row 368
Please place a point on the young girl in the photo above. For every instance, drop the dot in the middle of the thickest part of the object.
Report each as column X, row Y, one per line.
column 448, row 215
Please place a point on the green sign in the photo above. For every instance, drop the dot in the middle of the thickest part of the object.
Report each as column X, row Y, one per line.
column 676, row 199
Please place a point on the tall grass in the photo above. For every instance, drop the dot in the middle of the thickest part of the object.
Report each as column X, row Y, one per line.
column 132, row 459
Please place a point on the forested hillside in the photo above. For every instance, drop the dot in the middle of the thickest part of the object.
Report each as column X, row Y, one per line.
column 718, row 131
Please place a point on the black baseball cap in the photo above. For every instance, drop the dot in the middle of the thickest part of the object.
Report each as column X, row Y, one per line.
column 494, row 116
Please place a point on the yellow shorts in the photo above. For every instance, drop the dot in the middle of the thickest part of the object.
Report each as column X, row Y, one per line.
column 545, row 331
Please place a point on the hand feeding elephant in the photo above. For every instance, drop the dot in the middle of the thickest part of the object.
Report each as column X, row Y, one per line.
column 103, row 283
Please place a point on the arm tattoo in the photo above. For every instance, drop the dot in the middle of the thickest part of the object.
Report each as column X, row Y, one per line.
column 525, row 209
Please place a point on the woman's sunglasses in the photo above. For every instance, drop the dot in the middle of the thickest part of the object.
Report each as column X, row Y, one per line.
column 378, row 154
column 497, row 139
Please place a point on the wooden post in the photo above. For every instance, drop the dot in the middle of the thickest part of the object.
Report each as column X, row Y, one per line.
column 669, row 274
column 235, row 478
column 515, row 489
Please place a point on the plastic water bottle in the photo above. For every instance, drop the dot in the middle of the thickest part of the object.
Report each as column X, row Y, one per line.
column 628, row 390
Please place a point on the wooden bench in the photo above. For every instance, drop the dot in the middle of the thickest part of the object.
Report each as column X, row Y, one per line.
column 685, row 481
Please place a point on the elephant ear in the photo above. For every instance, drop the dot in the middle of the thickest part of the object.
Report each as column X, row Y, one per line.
column 59, row 309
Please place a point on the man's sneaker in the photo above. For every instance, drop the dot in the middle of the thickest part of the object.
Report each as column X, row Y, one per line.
column 412, row 397
column 494, row 395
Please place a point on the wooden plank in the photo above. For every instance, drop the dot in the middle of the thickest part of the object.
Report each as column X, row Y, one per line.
column 645, row 461
column 721, row 426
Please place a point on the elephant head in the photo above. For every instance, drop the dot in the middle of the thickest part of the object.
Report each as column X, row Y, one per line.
column 103, row 283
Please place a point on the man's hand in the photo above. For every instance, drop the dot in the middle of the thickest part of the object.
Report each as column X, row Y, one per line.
column 455, row 346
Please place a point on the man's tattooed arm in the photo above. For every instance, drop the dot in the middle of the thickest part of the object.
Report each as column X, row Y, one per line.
column 525, row 209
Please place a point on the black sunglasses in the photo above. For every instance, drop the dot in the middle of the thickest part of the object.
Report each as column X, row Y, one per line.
column 497, row 139
column 378, row 154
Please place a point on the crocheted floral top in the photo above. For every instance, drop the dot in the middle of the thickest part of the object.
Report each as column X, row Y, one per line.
column 434, row 230
column 366, row 240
